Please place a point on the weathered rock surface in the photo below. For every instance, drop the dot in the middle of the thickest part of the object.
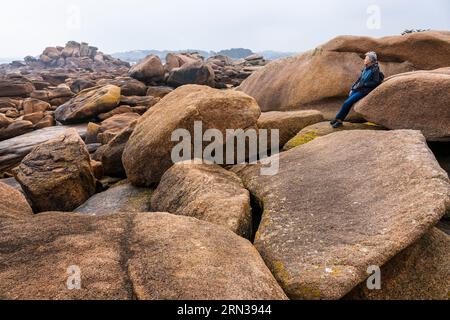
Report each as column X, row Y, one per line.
column 13, row 204
column 289, row 123
column 158, row 91
column 128, row 86
column 149, row 70
column 111, row 127
column 89, row 103
column 130, row 256
column 147, row 154
column 206, row 192
column 220, row 265
column 342, row 203
column 420, row 272
column 431, row 49
column 321, row 79
column 14, row 128
column 122, row 197
column 321, row 129
column 192, row 73
column 57, row 175
column 77, row 56
column 417, row 100
column 12, row 151
column 111, row 154
column 15, row 87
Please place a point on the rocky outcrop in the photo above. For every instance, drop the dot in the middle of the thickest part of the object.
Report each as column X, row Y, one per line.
column 206, row 192
column 148, row 153
column 122, row 197
column 321, row 79
column 130, row 256
column 288, row 123
column 76, row 55
column 57, row 175
column 231, row 73
column 89, row 103
column 13, row 204
column 329, row 214
column 416, row 100
column 322, row 129
column 149, row 70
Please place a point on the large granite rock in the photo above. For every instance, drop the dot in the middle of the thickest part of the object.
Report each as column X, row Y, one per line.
column 288, row 123
column 113, row 126
column 321, row 79
column 147, row 154
column 149, row 70
column 12, row 151
column 129, row 256
column 420, row 272
column 322, row 129
column 13, row 204
column 15, row 87
column 57, row 175
column 192, row 73
column 111, row 154
column 89, row 103
column 12, row 128
column 342, row 203
column 206, row 192
column 220, row 265
column 416, row 100
column 122, row 197
column 128, row 85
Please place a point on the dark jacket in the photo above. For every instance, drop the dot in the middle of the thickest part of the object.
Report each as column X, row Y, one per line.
column 368, row 80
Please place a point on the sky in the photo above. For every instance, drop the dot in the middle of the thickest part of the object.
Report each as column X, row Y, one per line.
column 27, row 27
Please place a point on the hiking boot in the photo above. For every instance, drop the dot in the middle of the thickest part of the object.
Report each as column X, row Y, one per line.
column 333, row 122
column 337, row 124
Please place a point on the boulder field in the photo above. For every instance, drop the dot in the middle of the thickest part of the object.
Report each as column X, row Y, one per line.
column 148, row 153
column 92, row 193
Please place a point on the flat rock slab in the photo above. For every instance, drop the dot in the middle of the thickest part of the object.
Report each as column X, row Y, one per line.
column 342, row 203
column 420, row 272
column 321, row 129
column 206, row 192
column 122, row 197
column 289, row 123
column 12, row 151
column 415, row 100
column 129, row 256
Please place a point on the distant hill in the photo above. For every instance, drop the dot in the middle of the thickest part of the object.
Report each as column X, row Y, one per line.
column 7, row 60
column 235, row 53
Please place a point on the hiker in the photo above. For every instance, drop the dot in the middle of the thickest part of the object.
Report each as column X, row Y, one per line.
column 371, row 77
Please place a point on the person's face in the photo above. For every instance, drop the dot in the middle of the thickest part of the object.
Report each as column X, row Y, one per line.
column 367, row 61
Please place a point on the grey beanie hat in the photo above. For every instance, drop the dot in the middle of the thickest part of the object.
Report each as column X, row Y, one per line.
column 372, row 55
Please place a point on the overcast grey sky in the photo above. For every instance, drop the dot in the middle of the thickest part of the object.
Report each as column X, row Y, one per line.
column 27, row 27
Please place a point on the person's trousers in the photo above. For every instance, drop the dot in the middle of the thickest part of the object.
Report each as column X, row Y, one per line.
column 348, row 104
